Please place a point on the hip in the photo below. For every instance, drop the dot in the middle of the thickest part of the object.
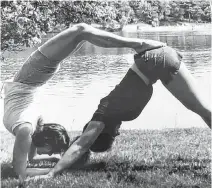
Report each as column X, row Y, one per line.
column 159, row 63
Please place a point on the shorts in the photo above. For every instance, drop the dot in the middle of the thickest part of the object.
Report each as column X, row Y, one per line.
column 37, row 70
column 162, row 63
column 19, row 106
column 125, row 102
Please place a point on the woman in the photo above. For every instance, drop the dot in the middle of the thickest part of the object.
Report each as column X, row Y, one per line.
column 19, row 118
column 128, row 99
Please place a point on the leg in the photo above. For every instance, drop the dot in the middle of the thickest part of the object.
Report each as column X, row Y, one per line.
column 21, row 148
column 183, row 87
column 66, row 42
column 109, row 40
column 63, row 44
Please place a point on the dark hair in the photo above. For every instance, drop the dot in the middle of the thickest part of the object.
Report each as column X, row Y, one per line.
column 56, row 136
column 52, row 134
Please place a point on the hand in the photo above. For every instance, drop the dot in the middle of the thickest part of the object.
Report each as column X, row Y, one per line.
column 149, row 45
column 47, row 176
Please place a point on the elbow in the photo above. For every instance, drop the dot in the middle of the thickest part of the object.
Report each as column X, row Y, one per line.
column 79, row 148
column 23, row 132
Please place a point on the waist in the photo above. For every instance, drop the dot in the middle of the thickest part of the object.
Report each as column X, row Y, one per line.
column 17, row 87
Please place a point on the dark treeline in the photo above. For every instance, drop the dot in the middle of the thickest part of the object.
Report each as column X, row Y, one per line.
column 24, row 22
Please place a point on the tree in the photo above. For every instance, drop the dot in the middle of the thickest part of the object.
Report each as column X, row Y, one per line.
column 207, row 14
column 23, row 23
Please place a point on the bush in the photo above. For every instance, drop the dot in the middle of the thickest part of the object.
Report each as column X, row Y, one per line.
column 23, row 23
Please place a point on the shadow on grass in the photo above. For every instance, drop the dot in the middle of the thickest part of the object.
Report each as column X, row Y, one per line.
column 127, row 169
column 114, row 166
column 7, row 170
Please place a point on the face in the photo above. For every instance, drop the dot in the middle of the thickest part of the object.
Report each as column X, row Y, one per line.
column 44, row 150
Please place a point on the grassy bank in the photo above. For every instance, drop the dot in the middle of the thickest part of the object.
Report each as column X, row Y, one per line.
column 166, row 158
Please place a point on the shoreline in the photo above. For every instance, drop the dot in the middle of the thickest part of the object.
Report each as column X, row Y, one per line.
column 193, row 27
column 185, row 27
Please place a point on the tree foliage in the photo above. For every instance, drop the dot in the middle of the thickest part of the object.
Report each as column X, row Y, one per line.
column 23, row 23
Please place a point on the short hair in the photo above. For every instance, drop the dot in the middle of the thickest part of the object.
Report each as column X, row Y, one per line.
column 52, row 134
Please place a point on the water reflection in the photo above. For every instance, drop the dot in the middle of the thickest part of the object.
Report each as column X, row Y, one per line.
column 73, row 94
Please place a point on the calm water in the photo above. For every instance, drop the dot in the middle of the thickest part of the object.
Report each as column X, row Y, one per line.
column 72, row 95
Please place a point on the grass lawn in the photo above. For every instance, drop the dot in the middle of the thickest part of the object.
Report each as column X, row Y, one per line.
column 166, row 158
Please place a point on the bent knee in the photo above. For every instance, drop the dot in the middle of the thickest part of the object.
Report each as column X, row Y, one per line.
column 85, row 31
column 23, row 130
column 82, row 26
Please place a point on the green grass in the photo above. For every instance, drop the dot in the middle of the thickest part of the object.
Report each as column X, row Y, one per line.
column 167, row 158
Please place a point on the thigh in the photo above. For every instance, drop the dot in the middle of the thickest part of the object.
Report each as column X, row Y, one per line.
column 183, row 86
column 61, row 45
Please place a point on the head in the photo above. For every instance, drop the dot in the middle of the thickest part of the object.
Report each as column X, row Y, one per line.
column 50, row 138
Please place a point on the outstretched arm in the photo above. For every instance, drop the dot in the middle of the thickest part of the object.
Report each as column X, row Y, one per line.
column 37, row 171
column 77, row 149
column 73, row 154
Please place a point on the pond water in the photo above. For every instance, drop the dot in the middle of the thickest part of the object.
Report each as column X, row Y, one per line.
column 72, row 95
